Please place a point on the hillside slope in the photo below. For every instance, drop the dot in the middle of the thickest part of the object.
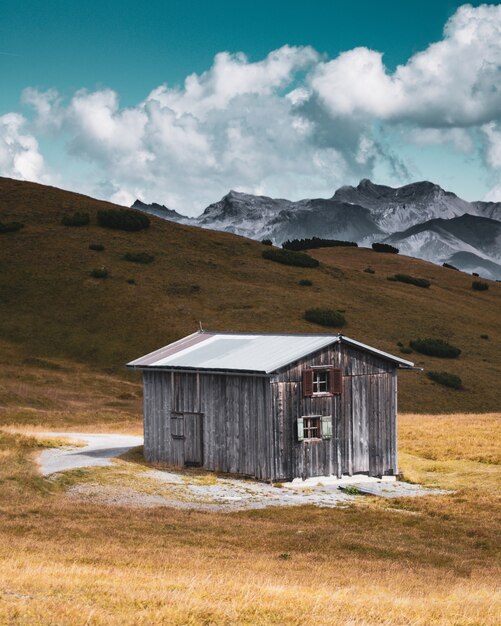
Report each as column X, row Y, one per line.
column 51, row 308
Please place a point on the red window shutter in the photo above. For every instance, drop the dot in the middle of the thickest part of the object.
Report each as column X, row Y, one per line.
column 307, row 382
column 335, row 381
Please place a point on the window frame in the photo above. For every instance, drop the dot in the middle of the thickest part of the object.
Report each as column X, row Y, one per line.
column 307, row 427
column 333, row 381
column 325, row 373
column 177, row 418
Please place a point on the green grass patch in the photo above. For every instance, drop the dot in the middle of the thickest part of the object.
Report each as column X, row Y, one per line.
column 76, row 219
column 435, row 347
column 139, row 257
column 410, row 280
column 317, row 242
column 122, row 219
column 10, row 227
column 446, row 378
column 325, row 317
column 384, row 247
column 100, row 272
column 289, row 257
column 478, row 285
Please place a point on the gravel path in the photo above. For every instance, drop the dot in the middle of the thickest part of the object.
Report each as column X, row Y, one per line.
column 98, row 451
column 141, row 486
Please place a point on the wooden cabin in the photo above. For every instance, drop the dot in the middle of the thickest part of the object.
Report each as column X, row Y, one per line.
column 275, row 407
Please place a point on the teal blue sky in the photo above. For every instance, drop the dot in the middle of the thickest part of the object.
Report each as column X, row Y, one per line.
column 133, row 48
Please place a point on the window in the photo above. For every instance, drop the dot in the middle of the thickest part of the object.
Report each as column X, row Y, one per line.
column 177, row 425
column 322, row 381
column 314, row 427
column 311, row 427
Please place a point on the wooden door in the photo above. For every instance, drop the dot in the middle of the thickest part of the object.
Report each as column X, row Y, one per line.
column 193, row 439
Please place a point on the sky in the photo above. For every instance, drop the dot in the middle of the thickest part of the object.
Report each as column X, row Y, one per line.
column 178, row 102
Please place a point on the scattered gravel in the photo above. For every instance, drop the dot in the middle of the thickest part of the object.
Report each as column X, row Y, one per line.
column 145, row 487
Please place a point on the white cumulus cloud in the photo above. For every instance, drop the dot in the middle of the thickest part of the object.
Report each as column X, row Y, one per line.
column 292, row 124
column 19, row 151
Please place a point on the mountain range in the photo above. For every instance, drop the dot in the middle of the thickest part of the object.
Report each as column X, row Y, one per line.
column 421, row 219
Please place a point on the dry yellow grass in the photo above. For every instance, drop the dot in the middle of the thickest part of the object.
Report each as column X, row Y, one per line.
column 419, row 561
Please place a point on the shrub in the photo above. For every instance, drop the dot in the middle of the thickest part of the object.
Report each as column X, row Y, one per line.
column 478, row 285
column 405, row 278
column 100, row 272
column 131, row 281
column 316, row 242
column 122, row 219
column 400, row 344
column 406, row 350
column 10, row 227
column 267, row 242
column 484, row 336
column 474, row 274
column 450, row 267
column 384, row 247
column 435, row 347
column 445, row 378
column 304, row 282
column 98, row 247
column 76, row 219
column 325, row 317
column 288, row 257
column 369, row 270
column 138, row 257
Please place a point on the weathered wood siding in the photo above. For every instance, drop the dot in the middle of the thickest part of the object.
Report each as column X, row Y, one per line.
column 237, row 421
column 363, row 417
column 249, row 423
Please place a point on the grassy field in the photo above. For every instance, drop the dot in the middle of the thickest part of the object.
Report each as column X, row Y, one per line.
column 52, row 309
column 64, row 338
column 430, row 560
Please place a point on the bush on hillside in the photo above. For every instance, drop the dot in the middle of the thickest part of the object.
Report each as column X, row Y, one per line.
column 384, row 247
column 122, row 219
column 369, row 270
column 478, row 285
column 316, row 242
column 131, row 281
column 100, row 272
column 405, row 278
column 304, row 282
column 446, row 378
column 138, row 257
column 76, row 219
column 288, row 257
column 450, row 267
column 406, row 350
column 267, row 242
column 325, row 317
column 435, row 347
column 484, row 336
column 98, row 247
column 10, row 227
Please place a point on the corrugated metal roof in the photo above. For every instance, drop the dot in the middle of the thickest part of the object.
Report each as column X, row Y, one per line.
column 243, row 352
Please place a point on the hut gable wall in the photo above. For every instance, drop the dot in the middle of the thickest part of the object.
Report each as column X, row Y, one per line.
column 363, row 416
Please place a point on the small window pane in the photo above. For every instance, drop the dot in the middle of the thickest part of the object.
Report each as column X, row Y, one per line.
column 320, row 381
column 311, row 427
column 177, row 425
